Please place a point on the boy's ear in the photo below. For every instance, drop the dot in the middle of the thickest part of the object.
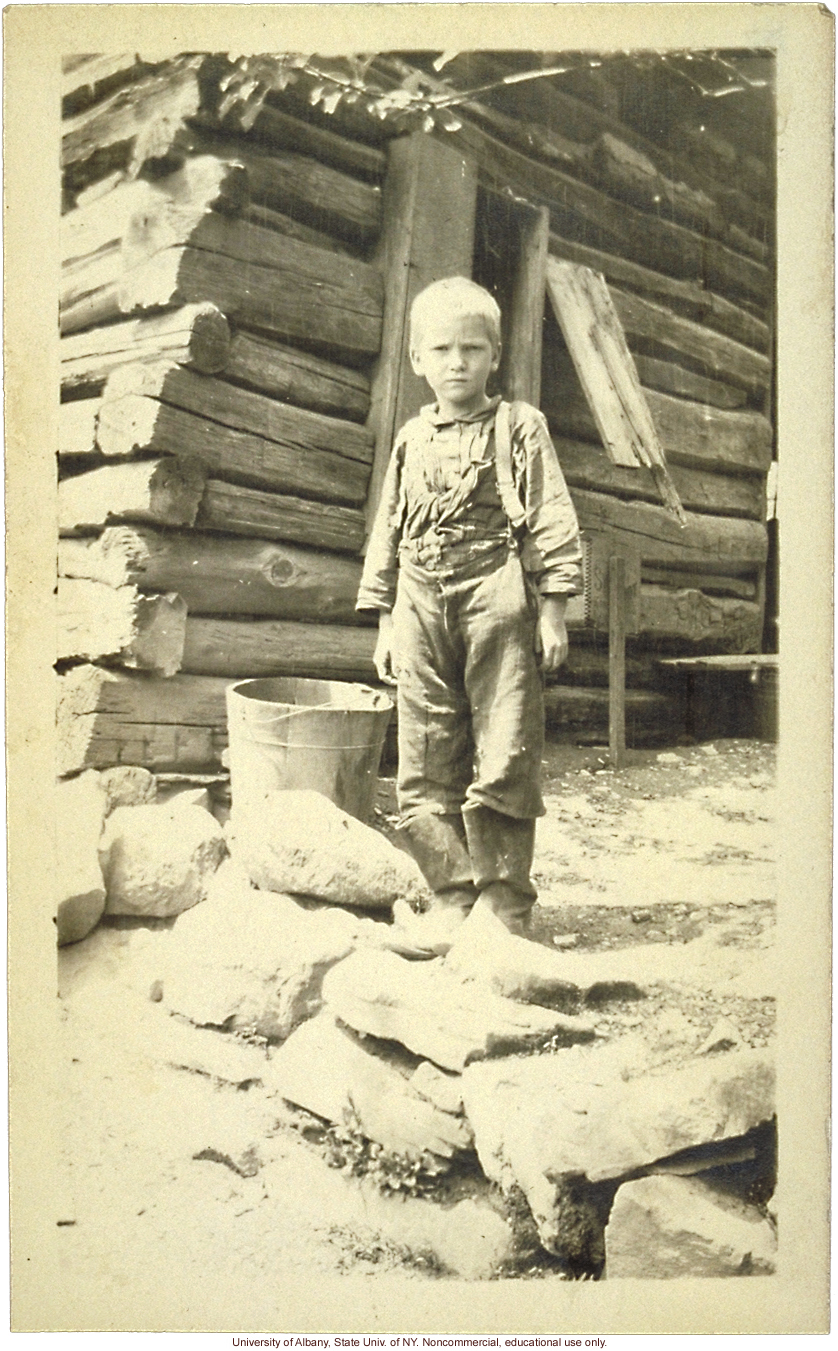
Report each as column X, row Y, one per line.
column 496, row 357
column 416, row 362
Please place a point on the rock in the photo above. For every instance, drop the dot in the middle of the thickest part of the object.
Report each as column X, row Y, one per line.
column 485, row 953
column 300, row 842
column 723, row 1037
column 565, row 940
column 157, row 860
column 252, row 961
column 668, row 758
column 214, row 1055
column 128, row 786
column 434, row 1014
column 540, row 1123
column 187, row 797
column 664, row 1227
column 80, row 888
column 444, row 1090
column 471, row 1238
column 326, row 1070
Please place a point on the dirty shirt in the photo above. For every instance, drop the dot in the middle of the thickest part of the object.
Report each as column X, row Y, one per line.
column 440, row 506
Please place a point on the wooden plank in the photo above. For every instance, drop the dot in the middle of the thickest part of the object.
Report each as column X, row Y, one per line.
column 204, row 183
column 607, row 373
column 91, row 77
column 755, row 661
column 109, row 134
column 135, row 425
column 430, row 197
column 234, row 510
column 585, row 465
column 719, row 623
column 161, row 492
column 216, row 575
column 670, row 378
column 297, row 185
column 715, row 544
column 263, row 647
column 292, row 133
column 197, row 336
column 683, row 297
column 105, row 623
column 573, row 709
column 85, row 276
column 301, row 378
column 714, row 585
column 242, row 410
column 288, row 228
column 737, row 364
column 77, row 427
column 691, row 434
column 235, row 238
column 587, row 663
column 626, row 172
column 521, row 366
column 112, row 717
column 340, row 315
column 616, row 660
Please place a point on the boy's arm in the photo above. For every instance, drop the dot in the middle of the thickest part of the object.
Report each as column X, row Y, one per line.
column 377, row 590
column 552, row 547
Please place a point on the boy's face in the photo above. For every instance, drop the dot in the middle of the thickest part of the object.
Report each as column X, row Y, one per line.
column 456, row 356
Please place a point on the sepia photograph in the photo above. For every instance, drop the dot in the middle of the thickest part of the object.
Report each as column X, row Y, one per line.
column 415, row 673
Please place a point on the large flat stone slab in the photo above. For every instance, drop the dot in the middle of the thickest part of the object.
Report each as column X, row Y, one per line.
column 435, row 1015
column 252, row 961
column 485, row 953
column 325, row 1069
column 665, row 1227
column 581, row 1113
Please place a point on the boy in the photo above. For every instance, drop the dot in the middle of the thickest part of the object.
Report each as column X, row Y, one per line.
column 474, row 551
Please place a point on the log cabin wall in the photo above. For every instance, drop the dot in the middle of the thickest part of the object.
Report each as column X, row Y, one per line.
column 221, row 318
column 234, row 340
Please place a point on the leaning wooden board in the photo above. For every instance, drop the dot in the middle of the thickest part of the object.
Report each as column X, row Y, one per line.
column 607, row 373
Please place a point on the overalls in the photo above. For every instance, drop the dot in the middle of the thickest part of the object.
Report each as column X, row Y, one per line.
column 470, row 692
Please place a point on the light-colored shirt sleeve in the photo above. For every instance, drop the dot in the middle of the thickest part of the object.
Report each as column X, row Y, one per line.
column 378, row 579
column 552, row 549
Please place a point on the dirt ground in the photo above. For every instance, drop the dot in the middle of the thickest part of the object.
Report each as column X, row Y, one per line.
column 666, row 864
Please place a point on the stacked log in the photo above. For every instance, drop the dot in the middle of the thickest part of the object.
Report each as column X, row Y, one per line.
column 219, row 313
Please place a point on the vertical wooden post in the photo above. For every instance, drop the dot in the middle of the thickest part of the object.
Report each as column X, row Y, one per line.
column 617, row 660
column 522, row 359
column 430, row 202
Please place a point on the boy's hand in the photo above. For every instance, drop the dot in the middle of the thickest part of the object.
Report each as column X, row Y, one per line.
column 552, row 633
column 383, row 655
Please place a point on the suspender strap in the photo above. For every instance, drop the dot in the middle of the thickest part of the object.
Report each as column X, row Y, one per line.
column 510, row 500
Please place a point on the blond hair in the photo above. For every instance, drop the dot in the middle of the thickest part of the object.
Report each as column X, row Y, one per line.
column 455, row 297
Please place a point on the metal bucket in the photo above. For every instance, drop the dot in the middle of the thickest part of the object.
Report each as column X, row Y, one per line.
column 324, row 735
